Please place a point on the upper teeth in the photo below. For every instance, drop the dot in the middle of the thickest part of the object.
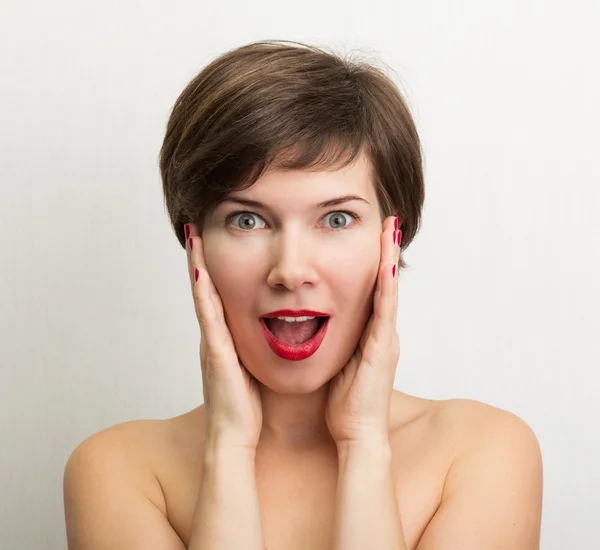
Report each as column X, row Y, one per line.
column 295, row 319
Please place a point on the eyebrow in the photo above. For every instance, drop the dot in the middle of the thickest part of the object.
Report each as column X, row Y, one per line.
column 325, row 204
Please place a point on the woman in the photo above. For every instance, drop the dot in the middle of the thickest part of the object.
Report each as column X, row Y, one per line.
column 293, row 178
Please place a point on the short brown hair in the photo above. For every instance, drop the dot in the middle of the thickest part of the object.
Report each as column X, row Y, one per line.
column 291, row 106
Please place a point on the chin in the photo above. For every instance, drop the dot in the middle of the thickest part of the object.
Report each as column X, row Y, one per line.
column 293, row 381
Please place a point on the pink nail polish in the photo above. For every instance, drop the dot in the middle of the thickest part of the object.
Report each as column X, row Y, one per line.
column 191, row 243
column 393, row 271
column 396, row 224
column 394, row 237
column 196, row 273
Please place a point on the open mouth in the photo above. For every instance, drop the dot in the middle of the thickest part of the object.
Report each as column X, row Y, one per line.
column 294, row 333
column 294, row 341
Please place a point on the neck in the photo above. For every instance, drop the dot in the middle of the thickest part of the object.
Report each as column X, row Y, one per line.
column 294, row 421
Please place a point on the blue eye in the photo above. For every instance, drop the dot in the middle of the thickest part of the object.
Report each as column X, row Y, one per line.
column 244, row 216
column 249, row 224
column 338, row 217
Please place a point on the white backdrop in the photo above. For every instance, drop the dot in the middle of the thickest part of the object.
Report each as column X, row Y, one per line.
column 500, row 302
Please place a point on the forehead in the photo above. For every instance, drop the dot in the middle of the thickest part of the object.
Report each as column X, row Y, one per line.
column 310, row 186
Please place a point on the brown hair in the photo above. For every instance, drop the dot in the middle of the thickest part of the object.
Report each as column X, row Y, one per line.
column 291, row 106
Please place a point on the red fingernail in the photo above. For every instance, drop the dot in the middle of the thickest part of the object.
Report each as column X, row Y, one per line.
column 399, row 237
column 393, row 271
column 396, row 223
column 187, row 231
column 394, row 237
column 196, row 273
column 191, row 243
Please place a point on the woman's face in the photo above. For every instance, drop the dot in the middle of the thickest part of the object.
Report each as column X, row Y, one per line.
column 292, row 254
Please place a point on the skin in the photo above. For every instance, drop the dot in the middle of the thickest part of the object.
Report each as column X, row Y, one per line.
column 455, row 463
column 294, row 258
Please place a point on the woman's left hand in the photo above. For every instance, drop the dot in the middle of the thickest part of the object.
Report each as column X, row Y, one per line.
column 360, row 394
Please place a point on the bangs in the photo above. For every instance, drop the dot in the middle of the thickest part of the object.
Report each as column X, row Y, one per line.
column 319, row 155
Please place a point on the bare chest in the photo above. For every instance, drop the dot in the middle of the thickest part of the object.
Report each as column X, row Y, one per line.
column 297, row 498
column 297, row 491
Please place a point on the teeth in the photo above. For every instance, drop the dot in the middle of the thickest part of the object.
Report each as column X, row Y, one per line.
column 295, row 319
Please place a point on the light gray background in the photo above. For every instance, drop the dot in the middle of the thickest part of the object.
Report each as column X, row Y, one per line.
column 500, row 303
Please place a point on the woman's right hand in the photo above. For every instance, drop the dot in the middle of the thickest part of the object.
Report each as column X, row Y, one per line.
column 233, row 411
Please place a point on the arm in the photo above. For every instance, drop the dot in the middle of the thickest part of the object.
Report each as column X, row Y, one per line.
column 366, row 514
column 227, row 515
column 492, row 498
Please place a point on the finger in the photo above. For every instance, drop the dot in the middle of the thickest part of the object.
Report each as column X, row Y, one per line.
column 386, row 296
column 196, row 255
column 205, row 310
column 396, row 259
column 187, row 252
column 206, row 299
column 387, row 244
column 366, row 334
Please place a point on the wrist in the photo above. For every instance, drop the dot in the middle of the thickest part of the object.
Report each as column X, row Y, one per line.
column 221, row 447
column 374, row 440
column 374, row 447
column 369, row 462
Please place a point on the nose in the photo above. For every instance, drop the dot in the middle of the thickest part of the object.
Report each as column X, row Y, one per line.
column 292, row 265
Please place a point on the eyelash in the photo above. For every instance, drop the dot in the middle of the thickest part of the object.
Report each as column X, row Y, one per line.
column 353, row 215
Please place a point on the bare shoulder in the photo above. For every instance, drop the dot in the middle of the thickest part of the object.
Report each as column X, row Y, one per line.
column 126, row 449
column 109, row 480
column 481, row 465
column 474, row 423
column 465, row 421
column 493, row 480
column 492, row 442
column 458, row 428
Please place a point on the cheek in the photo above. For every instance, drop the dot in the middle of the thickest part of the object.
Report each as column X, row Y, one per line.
column 360, row 261
column 224, row 258
column 236, row 279
column 354, row 278
column 221, row 266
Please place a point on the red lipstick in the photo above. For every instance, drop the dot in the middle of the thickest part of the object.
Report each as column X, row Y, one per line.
column 295, row 313
column 295, row 352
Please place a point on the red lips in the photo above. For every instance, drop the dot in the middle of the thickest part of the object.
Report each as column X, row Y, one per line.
column 295, row 313
column 294, row 352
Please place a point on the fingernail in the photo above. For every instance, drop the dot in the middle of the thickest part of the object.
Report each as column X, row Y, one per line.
column 396, row 223
column 191, row 243
column 394, row 237
column 399, row 237
column 196, row 273
column 187, row 231
column 393, row 271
